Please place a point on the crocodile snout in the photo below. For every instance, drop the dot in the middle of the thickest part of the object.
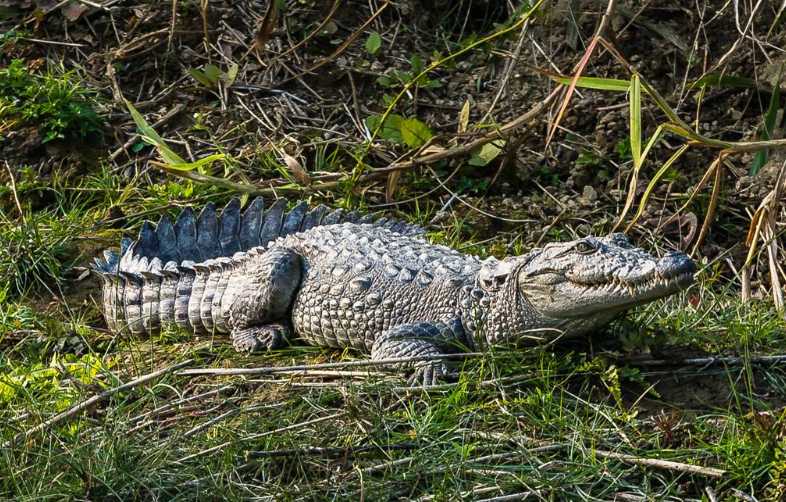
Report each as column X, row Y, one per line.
column 676, row 265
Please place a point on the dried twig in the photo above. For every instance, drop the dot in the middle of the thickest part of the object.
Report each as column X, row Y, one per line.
column 669, row 465
column 579, row 68
column 171, row 405
column 341, row 48
column 330, row 451
column 503, row 83
column 306, row 367
column 509, row 497
column 13, row 191
column 707, row 361
column 316, row 31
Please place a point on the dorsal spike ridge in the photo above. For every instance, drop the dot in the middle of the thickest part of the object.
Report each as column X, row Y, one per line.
column 167, row 240
column 272, row 226
column 251, row 224
column 185, row 230
column 207, row 232
column 294, row 219
column 147, row 242
column 333, row 217
column 229, row 227
column 314, row 217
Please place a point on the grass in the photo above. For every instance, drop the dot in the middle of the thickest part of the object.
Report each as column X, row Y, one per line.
column 54, row 103
column 535, row 426
column 467, row 439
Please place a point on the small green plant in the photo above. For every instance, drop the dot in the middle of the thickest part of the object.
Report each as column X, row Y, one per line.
column 50, row 380
column 212, row 75
column 55, row 104
column 416, row 75
column 404, row 131
column 172, row 160
column 14, row 316
column 373, row 43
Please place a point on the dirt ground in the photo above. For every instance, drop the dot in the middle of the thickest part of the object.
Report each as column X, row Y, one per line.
column 312, row 102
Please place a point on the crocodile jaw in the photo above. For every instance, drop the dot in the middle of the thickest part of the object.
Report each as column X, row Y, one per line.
column 563, row 284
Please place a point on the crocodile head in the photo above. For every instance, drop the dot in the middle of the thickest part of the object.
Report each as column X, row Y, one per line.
column 574, row 287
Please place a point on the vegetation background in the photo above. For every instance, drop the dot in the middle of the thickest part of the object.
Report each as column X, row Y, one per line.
column 498, row 125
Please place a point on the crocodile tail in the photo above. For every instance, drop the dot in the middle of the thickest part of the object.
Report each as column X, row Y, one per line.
column 172, row 273
column 141, row 295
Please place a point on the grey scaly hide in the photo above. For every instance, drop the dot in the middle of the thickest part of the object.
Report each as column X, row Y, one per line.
column 337, row 279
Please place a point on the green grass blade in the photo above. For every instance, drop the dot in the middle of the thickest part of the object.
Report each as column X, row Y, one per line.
column 635, row 120
column 769, row 125
column 634, row 178
column 151, row 136
column 720, row 80
column 654, row 181
column 597, row 83
column 199, row 164
column 651, row 142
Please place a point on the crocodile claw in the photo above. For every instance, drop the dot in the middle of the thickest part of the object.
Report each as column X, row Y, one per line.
column 428, row 374
column 259, row 338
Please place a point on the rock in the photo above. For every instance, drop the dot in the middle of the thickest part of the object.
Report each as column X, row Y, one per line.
column 588, row 196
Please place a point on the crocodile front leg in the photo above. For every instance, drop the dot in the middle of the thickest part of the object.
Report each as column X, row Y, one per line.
column 261, row 298
column 420, row 339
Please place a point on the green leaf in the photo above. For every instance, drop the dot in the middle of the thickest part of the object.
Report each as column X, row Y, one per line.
column 635, row 120
column 654, row 181
column 598, row 83
column 200, row 77
column 199, row 164
column 720, row 80
column 486, row 153
column 231, row 74
column 414, row 132
column 207, row 77
column 416, row 63
column 151, row 136
column 390, row 130
column 213, row 73
column 385, row 81
column 769, row 125
column 373, row 43
column 623, row 149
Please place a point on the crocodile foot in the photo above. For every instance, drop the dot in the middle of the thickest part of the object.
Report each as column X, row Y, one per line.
column 428, row 374
column 260, row 338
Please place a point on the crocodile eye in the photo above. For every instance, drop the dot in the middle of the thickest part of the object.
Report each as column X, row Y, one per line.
column 585, row 247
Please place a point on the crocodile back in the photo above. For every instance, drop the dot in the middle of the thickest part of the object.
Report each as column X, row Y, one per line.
column 215, row 234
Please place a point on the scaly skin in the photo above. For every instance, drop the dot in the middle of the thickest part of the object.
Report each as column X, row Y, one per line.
column 377, row 287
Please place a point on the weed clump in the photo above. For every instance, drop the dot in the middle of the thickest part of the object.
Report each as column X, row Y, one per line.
column 54, row 104
column 34, row 252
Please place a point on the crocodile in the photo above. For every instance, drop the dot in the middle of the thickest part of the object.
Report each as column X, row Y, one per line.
column 335, row 279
